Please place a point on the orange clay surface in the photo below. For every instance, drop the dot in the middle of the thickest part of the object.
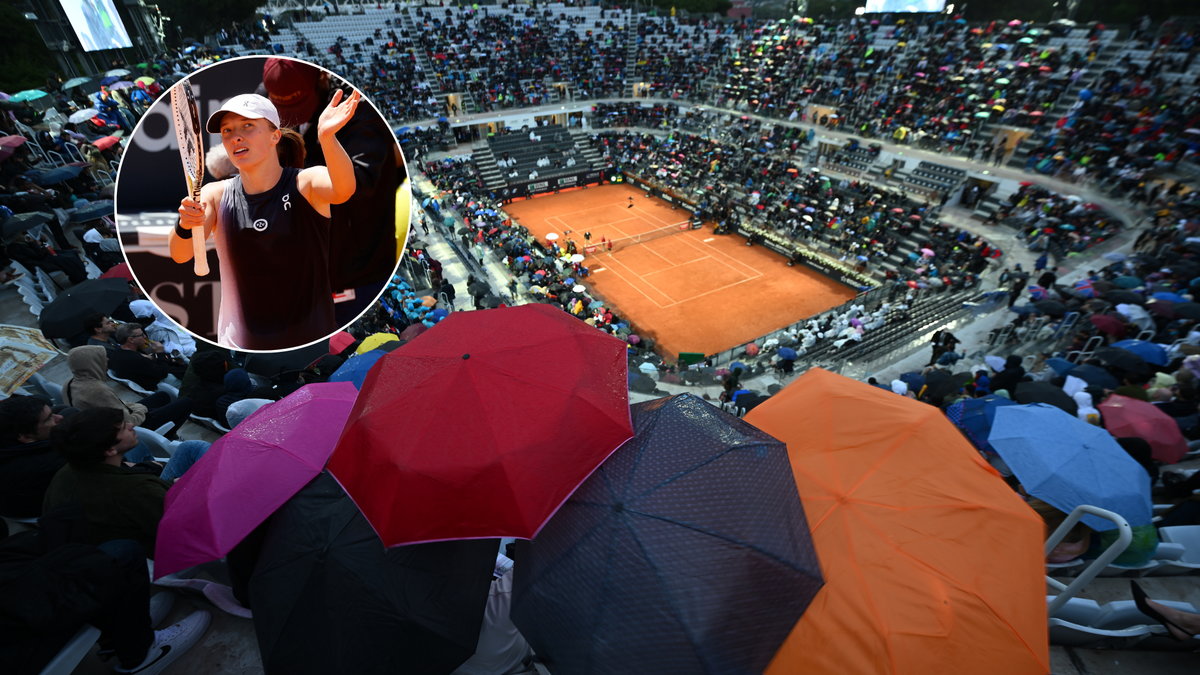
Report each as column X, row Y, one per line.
column 691, row 291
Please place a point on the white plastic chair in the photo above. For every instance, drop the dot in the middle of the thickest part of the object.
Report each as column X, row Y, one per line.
column 159, row 445
column 130, row 383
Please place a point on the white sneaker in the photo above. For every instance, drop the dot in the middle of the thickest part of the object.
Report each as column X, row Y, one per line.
column 170, row 643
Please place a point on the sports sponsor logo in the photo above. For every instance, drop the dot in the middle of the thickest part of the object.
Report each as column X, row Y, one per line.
column 260, row 225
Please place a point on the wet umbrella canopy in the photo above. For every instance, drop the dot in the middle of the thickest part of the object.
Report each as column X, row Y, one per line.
column 661, row 561
column 64, row 316
column 328, row 597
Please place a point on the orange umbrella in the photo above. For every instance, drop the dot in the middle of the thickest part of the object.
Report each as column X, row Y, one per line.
column 932, row 564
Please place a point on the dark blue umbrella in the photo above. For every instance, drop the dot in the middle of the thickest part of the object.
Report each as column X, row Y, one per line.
column 92, row 211
column 787, row 353
column 1095, row 376
column 663, row 561
column 914, row 380
column 57, row 175
column 1059, row 365
column 1150, row 352
column 1024, row 309
column 975, row 416
column 354, row 370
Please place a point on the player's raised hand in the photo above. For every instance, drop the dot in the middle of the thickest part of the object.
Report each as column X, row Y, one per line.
column 337, row 113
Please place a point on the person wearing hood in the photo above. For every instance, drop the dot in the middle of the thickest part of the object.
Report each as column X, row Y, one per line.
column 1087, row 412
column 27, row 460
column 1008, row 378
column 88, row 388
column 203, row 382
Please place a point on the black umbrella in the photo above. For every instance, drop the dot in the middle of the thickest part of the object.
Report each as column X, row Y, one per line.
column 1120, row 359
column 1044, row 392
column 611, row 584
column 478, row 289
column 270, row 365
column 941, row 383
column 464, row 230
column 22, row 222
column 63, row 317
column 1188, row 310
column 491, row 302
column 329, row 598
column 1121, row 297
column 641, row 382
column 1095, row 376
column 1051, row 308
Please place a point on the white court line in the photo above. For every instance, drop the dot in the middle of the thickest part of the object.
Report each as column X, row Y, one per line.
column 710, row 239
column 754, row 273
column 635, row 286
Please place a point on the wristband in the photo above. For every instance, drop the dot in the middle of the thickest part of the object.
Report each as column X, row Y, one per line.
column 182, row 233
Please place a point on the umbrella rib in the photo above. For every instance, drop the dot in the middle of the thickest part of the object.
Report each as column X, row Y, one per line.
column 674, row 609
column 724, row 538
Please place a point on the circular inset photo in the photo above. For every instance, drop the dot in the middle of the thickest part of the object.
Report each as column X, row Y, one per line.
column 262, row 203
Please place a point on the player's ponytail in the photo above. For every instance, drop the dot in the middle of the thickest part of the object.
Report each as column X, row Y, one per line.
column 290, row 148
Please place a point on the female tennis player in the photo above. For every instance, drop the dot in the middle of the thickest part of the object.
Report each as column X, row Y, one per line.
column 271, row 224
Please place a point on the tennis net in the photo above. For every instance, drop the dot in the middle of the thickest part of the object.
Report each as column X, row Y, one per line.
column 610, row 245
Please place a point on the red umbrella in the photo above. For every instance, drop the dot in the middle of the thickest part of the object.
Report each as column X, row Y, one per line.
column 484, row 428
column 1124, row 416
column 106, row 142
column 118, row 271
column 1108, row 324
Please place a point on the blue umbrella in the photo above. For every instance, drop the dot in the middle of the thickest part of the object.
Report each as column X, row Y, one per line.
column 354, row 370
column 1059, row 365
column 611, row 583
column 56, row 175
column 1095, row 376
column 1169, row 297
column 1023, row 309
column 787, row 353
column 914, row 381
column 738, row 364
column 1067, row 462
column 1150, row 352
column 92, row 211
column 975, row 416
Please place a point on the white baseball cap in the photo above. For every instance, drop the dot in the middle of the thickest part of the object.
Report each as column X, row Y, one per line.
column 251, row 106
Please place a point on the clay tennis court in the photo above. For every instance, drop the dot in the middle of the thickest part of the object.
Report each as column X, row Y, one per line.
column 691, row 290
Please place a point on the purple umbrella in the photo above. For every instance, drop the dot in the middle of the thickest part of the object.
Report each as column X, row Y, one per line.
column 248, row 474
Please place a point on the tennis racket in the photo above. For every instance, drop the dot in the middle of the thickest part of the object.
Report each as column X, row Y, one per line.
column 191, row 150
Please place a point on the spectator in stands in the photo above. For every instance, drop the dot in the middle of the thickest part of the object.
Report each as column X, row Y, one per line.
column 48, row 592
column 88, row 388
column 162, row 330
column 133, row 362
column 33, row 253
column 27, row 460
column 113, row 498
column 100, row 330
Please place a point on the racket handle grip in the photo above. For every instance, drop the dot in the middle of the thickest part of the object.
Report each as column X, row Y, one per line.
column 200, row 253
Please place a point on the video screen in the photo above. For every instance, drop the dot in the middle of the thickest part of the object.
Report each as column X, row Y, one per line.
column 97, row 24
column 882, row 6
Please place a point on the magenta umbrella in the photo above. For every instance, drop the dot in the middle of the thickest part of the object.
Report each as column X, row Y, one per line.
column 1124, row 416
column 248, row 474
